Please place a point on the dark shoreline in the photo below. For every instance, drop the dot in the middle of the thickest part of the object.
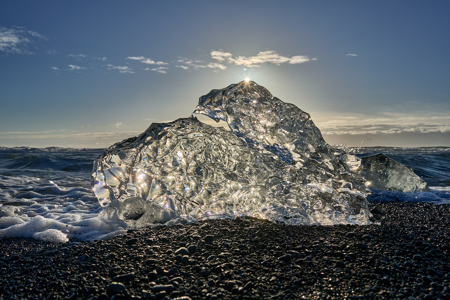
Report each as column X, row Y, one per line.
column 407, row 255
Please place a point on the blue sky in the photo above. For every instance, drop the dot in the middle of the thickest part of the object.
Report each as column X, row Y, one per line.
column 91, row 73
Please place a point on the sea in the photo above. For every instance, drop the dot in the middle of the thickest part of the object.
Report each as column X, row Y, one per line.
column 46, row 194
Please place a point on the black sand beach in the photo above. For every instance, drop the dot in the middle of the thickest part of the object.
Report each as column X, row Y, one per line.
column 406, row 256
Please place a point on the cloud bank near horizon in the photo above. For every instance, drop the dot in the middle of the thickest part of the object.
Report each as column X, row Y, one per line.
column 387, row 123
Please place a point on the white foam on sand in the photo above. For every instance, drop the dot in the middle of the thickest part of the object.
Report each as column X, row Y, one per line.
column 443, row 192
column 59, row 210
column 53, row 211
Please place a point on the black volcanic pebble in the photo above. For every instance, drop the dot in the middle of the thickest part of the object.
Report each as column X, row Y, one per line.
column 406, row 255
column 209, row 239
column 182, row 251
column 192, row 249
column 115, row 288
column 123, row 278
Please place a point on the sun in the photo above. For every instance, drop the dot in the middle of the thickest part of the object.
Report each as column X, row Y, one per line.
column 247, row 79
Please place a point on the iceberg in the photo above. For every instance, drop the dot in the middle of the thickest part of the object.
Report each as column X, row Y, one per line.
column 272, row 164
column 387, row 174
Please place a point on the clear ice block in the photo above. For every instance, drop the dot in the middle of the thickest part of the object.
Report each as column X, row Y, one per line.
column 385, row 173
column 273, row 164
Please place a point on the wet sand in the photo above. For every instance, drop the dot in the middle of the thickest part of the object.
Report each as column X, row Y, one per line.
column 406, row 255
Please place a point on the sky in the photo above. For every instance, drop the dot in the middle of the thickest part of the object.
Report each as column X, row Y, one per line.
column 92, row 73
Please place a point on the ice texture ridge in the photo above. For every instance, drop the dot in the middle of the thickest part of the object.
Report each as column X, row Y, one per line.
column 273, row 164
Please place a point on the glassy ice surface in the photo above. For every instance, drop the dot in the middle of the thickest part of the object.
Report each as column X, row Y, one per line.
column 46, row 194
column 384, row 173
column 273, row 164
column 264, row 121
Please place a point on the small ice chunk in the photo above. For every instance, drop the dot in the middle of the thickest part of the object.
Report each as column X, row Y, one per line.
column 384, row 173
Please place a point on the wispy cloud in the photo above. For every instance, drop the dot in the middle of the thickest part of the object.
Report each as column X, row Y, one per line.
column 219, row 61
column 136, row 57
column 263, row 57
column 198, row 64
column 351, row 54
column 75, row 67
column 216, row 66
column 162, row 70
column 221, row 56
column 16, row 40
column 145, row 60
column 93, row 63
column 186, row 63
column 182, row 67
column 119, row 124
column 121, row 69
column 77, row 56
